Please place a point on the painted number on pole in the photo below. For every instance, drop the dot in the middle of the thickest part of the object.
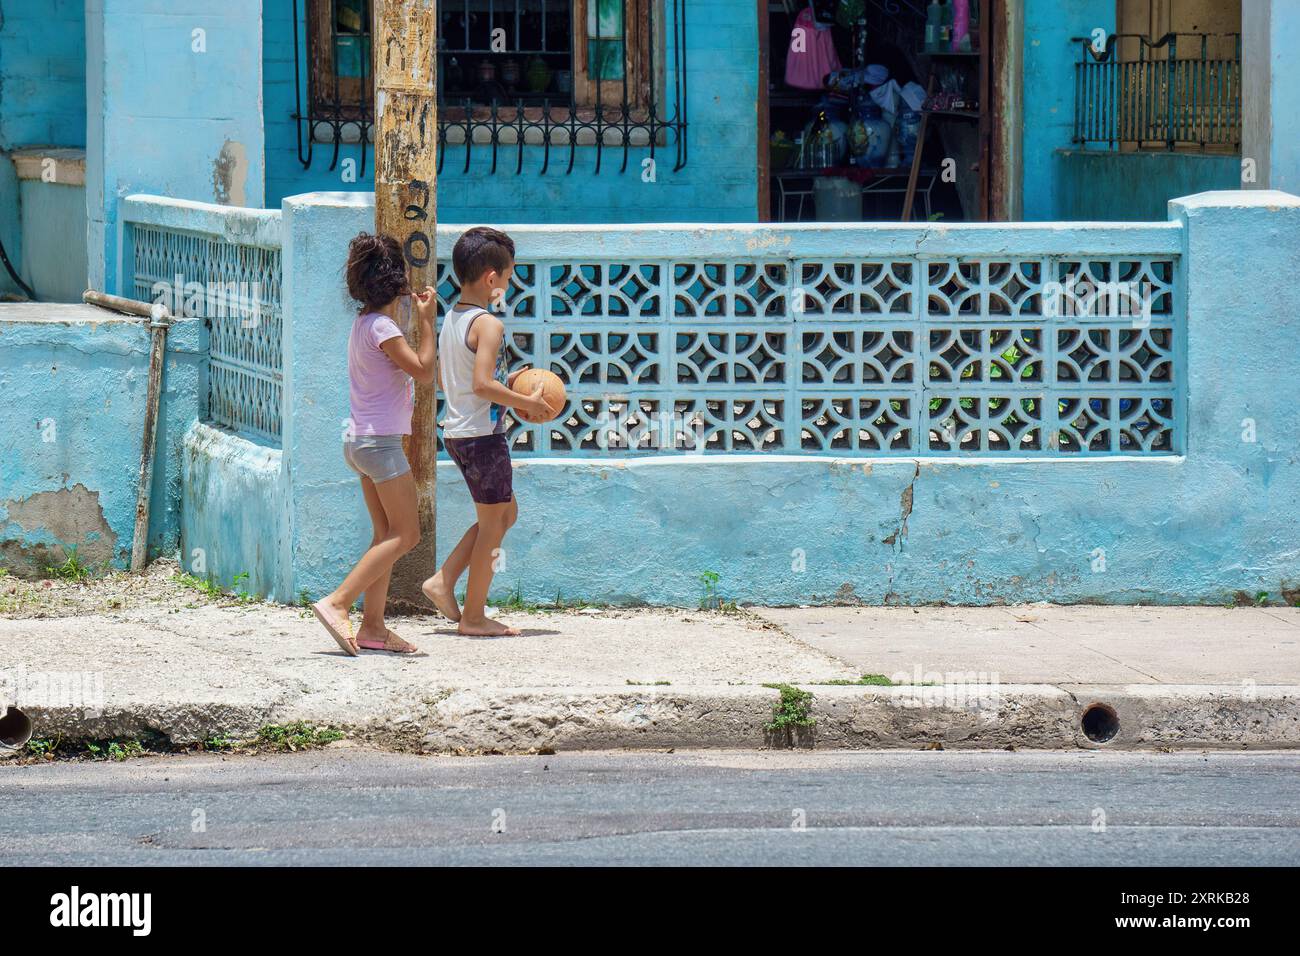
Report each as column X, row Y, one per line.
column 418, row 249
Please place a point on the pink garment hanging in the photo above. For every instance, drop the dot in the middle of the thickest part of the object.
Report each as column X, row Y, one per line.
column 812, row 53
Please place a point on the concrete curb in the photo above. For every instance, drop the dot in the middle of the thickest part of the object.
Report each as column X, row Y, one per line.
column 516, row 719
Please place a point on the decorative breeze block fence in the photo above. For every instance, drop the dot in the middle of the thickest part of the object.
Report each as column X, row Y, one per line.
column 222, row 266
column 974, row 340
column 853, row 355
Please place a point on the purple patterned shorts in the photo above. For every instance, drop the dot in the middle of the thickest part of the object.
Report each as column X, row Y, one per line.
column 485, row 463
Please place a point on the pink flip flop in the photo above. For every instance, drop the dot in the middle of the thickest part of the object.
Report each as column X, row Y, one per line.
column 346, row 641
column 385, row 645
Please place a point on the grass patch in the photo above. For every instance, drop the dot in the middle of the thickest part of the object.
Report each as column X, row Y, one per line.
column 515, row 601
column 649, row 683
column 296, row 736
column 709, row 584
column 238, row 590
column 275, row 737
column 110, row 748
column 792, row 710
column 214, row 591
column 204, row 586
column 1245, row 599
column 41, row 747
column 115, row 750
column 70, row 570
column 866, row 680
column 710, row 599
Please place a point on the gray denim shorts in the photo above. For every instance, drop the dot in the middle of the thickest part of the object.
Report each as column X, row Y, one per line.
column 377, row 457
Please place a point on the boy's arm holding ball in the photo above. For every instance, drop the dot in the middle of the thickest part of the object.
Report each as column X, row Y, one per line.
column 489, row 333
column 421, row 366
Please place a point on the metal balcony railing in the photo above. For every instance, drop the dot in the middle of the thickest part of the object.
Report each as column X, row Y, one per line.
column 1181, row 91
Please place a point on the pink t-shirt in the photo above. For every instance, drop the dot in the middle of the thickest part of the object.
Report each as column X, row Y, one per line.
column 382, row 395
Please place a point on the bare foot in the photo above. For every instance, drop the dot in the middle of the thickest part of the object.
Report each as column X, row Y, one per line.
column 437, row 591
column 382, row 639
column 486, row 627
column 336, row 621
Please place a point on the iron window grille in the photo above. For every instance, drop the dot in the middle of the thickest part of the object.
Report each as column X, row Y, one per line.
column 555, row 75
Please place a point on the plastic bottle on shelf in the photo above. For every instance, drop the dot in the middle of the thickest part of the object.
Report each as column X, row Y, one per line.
column 933, row 18
column 960, row 26
column 820, row 140
column 909, row 125
column 945, row 26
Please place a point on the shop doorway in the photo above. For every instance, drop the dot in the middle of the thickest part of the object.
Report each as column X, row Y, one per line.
column 881, row 110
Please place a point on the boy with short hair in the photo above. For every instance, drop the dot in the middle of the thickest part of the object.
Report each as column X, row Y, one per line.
column 472, row 363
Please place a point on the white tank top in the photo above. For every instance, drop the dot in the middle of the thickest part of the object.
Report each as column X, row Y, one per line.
column 464, row 414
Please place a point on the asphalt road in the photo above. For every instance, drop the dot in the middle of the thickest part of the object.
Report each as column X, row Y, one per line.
column 352, row 805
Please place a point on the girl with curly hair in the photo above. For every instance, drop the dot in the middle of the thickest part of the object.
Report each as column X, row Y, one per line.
column 381, row 367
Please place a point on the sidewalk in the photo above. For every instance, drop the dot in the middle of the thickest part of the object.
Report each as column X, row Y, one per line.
column 1050, row 644
column 607, row 678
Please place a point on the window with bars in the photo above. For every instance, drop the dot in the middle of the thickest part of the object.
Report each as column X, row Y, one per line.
column 513, row 75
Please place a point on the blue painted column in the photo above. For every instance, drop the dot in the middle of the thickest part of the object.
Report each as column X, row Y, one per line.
column 326, row 513
column 1243, row 316
column 1271, row 93
column 174, row 107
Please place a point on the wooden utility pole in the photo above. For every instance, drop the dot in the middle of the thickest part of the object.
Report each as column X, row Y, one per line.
column 404, row 35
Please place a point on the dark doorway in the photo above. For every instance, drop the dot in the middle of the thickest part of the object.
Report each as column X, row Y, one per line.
column 894, row 75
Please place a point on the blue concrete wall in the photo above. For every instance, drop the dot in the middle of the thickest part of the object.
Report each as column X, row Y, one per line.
column 1048, row 93
column 232, row 511
column 718, row 184
column 1106, row 186
column 1192, row 527
column 175, row 92
column 1284, row 163
column 42, row 95
column 1183, row 528
column 75, row 380
column 42, row 73
column 1271, row 92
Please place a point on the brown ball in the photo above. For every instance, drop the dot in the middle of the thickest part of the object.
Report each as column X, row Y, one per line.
column 552, row 392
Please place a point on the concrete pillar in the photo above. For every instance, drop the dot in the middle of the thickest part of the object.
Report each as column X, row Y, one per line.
column 326, row 514
column 1243, row 331
column 1270, row 35
column 173, row 106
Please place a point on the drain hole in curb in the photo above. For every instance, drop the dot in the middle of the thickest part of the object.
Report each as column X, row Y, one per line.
column 15, row 729
column 1100, row 723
